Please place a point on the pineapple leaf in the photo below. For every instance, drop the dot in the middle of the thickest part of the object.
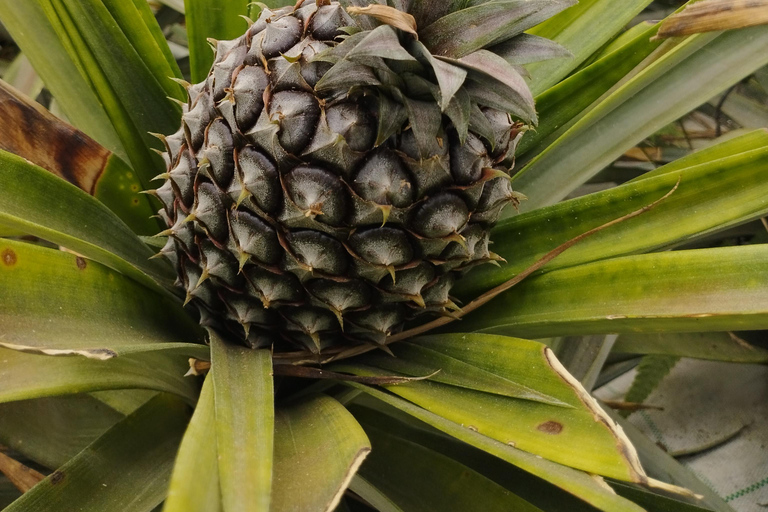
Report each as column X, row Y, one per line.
column 211, row 19
column 527, row 48
column 715, row 346
column 496, row 83
column 450, row 78
column 33, row 133
column 245, row 422
column 126, row 468
column 194, row 483
column 372, row 495
column 571, row 98
column 410, row 474
column 716, row 289
column 34, row 375
column 493, row 366
column 711, row 197
column 88, row 299
column 650, row 372
column 132, row 95
column 34, row 33
column 587, row 487
column 583, row 29
column 71, row 423
column 380, row 42
column 468, row 30
column 73, row 219
column 318, row 449
column 533, row 426
column 682, row 79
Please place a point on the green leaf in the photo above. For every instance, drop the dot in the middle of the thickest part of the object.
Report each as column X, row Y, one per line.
column 33, row 375
column 682, row 79
column 578, row 436
column 132, row 96
column 195, row 481
column 39, row 41
column 583, row 29
column 757, row 139
column 471, row 29
column 73, row 219
column 211, row 19
column 582, row 485
column 565, row 101
column 717, row 289
column 33, row 133
column 71, row 423
column 59, row 300
column 650, row 372
column 417, row 478
column 710, row 197
column 126, row 469
column 715, row 346
column 140, row 27
column 318, row 448
column 491, row 365
column 245, row 422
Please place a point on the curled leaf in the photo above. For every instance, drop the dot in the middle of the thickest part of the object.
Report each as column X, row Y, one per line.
column 388, row 15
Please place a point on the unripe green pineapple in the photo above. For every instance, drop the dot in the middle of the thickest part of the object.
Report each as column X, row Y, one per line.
column 341, row 167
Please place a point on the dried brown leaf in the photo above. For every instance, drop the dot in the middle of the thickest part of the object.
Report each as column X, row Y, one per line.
column 388, row 15
column 30, row 131
column 21, row 476
column 713, row 15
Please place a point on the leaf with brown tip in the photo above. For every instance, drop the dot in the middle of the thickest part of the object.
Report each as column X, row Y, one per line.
column 31, row 132
column 714, row 15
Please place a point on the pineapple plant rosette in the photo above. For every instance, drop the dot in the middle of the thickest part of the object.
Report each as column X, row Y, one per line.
column 327, row 187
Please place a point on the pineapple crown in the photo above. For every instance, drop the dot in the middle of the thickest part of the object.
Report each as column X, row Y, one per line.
column 421, row 59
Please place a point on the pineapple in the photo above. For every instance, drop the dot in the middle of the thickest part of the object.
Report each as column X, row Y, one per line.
column 340, row 168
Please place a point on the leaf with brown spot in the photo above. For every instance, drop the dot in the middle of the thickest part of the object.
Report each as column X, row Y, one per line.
column 714, row 15
column 31, row 132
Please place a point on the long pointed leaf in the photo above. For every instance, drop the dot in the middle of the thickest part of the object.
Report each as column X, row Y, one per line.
column 71, row 423
column 718, row 289
column 682, row 79
column 715, row 346
column 244, row 403
column 578, row 436
column 126, row 469
column 73, row 219
column 195, row 481
column 33, row 133
column 38, row 40
column 710, row 197
column 582, row 29
column 582, row 485
column 33, row 375
column 56, row 299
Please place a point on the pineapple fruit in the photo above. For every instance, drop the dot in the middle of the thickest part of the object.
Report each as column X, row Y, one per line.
column 339, row 169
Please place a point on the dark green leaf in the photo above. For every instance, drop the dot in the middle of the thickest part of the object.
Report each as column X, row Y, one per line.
column 126, row 469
